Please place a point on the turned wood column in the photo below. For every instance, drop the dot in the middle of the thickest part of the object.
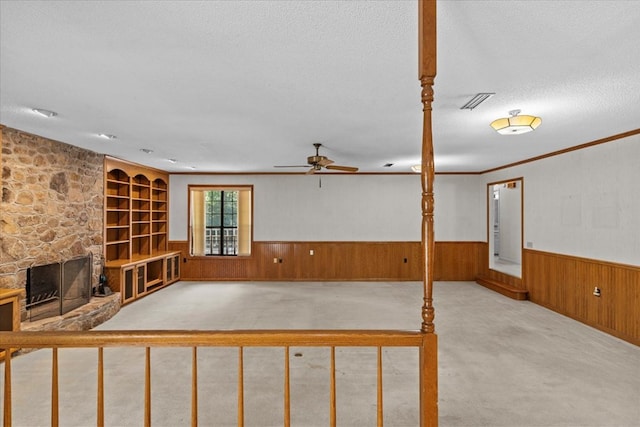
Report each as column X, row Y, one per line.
column 429, row 349
column 427, row 74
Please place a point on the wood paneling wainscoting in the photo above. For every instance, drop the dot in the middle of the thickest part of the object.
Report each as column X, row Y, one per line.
column 458, row 261
column 335, row 261
column 565, row 284
column 293, row 261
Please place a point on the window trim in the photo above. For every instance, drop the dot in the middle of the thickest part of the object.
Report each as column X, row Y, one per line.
column 218, row 187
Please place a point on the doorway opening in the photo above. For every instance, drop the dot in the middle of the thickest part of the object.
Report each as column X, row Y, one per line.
column 505, row 226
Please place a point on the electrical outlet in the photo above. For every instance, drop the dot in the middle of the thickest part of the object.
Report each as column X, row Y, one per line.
column 275, row 260
column 311, row 252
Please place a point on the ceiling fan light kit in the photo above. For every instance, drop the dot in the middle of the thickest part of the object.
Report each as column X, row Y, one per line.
column 516, row 124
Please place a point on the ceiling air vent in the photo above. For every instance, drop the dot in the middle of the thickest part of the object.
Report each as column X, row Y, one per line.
column 477, row 100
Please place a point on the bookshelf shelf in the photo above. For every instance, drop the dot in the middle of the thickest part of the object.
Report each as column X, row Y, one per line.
column 135, row 229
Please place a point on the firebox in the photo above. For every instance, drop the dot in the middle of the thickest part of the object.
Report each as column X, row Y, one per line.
column 57, row 288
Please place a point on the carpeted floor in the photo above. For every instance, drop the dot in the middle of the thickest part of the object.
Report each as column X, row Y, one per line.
column 502, row 362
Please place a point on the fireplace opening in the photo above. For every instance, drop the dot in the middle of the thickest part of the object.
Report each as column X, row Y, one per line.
column 57, row 288
column 43, row 291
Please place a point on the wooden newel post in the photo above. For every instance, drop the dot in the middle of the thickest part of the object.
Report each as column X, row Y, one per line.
column 427, row 75
column 429, row 350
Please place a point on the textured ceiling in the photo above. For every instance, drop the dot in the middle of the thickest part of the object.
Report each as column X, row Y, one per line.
column 242, row 86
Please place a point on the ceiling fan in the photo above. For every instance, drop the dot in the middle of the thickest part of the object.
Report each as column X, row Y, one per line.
column 318, row 162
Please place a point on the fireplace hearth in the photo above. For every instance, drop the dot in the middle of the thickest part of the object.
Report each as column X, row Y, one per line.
column 57, row 288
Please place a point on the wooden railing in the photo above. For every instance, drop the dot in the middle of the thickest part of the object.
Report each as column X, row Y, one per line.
column 238, row 339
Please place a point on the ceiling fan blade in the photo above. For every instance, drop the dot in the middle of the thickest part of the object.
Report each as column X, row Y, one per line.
column 342, row 168
column 311, row 171
column 292, row 166
column 324, row 161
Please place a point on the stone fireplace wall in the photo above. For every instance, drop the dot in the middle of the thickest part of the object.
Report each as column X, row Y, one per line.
column 52, row 205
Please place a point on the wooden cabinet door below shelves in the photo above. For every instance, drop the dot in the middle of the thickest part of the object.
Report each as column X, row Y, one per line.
column 128, row 284
column 141, row 279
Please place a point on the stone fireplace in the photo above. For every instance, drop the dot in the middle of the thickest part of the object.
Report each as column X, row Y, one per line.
column 51, row 213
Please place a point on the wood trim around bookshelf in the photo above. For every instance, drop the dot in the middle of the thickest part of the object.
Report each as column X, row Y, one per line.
column 133, row 169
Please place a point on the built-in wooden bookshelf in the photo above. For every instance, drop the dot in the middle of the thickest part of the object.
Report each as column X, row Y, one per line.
column 135, row 229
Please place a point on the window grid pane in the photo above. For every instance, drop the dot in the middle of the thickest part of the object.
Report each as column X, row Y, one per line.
column 221, row 212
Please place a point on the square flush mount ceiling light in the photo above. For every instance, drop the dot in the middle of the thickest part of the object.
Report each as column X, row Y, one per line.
column 516, row 124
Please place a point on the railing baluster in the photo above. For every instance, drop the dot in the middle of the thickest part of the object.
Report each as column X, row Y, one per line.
column 333, row 388
column 287, row 389
column 240, row 388
column 7, row 387
column 194, row 387
column 54, row 388
column 380, row 413
column 147, row 388
column 100, row 403
column 239, row 339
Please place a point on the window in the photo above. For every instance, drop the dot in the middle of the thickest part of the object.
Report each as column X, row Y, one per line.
column 220, row 220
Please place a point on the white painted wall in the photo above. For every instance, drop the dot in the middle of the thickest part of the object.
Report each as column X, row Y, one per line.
column 460, row 208
column 584, row 203
column 346, row 208
column 294, row 208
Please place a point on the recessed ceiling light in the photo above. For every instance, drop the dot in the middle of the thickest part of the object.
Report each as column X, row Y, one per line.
column 44, row 113
column 172, row 160
column 191, row 167
column 107, row 136
column 146, row 150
